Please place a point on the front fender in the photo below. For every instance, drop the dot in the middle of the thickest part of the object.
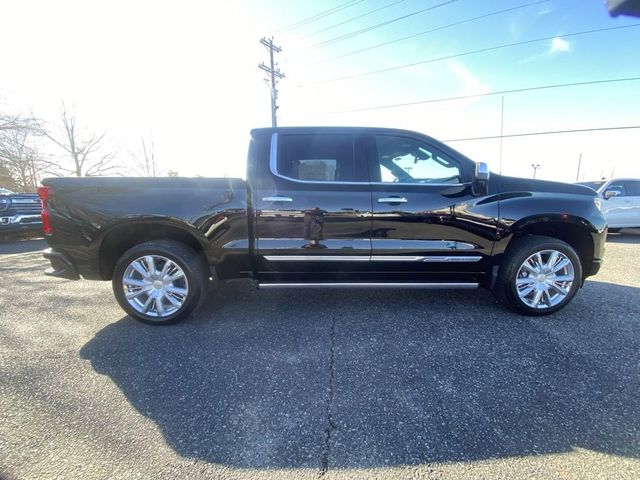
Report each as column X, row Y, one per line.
column 546, row 212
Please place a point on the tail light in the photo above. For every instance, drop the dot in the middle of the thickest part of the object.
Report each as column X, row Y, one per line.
column 46, row 194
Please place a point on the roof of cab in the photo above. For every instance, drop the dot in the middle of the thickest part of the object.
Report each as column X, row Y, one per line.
column 328, row 129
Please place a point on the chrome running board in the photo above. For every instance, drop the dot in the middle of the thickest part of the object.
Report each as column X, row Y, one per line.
column 420, row 285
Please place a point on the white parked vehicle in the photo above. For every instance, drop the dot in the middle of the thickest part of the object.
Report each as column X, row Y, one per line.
column 620, row 199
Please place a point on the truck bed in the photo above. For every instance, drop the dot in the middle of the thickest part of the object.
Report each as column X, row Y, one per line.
column 90, row 215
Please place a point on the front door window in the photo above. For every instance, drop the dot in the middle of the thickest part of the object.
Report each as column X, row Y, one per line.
column 405, row 160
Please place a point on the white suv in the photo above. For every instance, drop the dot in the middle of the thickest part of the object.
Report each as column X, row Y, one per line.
column 620, row 201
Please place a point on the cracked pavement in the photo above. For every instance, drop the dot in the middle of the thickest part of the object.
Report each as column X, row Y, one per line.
column 303, row 384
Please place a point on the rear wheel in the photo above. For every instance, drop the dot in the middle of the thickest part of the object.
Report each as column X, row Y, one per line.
column 539, row 276
column 159, row 282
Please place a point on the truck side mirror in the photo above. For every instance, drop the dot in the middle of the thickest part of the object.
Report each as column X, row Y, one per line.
column 611, row 193
column 481, row 179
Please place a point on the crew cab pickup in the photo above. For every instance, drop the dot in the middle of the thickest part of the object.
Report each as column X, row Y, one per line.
column 19, row 214
column 327, row 208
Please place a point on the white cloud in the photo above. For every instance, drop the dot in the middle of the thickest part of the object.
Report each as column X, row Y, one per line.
column 471, row 84
column 559, row 45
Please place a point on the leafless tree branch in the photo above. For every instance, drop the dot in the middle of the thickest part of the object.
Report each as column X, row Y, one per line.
column 84, row 150
column 21, row 164
column 146, row 165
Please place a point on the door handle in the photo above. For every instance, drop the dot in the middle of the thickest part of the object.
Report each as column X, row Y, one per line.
column 392, row 200
column 277, row 198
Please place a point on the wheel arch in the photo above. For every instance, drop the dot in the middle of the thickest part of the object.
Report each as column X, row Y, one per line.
column 122, row 236
column 575, row 231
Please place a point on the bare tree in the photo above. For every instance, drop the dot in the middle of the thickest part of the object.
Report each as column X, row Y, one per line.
column 17, row 122
column 20, row 161
column 21, row 158
column 145, row 164
column 85, row 149
column 6, row 179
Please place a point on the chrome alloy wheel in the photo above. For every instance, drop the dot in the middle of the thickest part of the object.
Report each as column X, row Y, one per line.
column 155, row 286
column 544, row 279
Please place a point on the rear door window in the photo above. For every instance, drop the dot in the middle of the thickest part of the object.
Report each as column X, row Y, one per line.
column 317, row 157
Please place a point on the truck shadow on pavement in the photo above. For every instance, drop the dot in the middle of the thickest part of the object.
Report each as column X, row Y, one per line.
column 356, row 379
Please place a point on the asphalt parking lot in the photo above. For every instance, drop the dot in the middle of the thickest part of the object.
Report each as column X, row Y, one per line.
column 348, row 384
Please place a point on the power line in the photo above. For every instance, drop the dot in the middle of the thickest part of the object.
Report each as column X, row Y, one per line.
column 356, row 17
column 549, row 132
column 320, row 15
column 487, row 94
column 346, row 36
column 472, row 52
column 449, row 25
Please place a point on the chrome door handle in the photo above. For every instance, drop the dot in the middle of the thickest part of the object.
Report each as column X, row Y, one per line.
column 277, row 199
column 392, row 200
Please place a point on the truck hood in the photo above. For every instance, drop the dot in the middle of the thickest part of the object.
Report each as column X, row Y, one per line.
column 515, row 184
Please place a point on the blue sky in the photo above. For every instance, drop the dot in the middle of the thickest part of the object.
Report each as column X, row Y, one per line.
column 185, row 75
column 609, row 54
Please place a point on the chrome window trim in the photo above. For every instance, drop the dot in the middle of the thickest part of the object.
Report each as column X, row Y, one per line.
column 273, row 166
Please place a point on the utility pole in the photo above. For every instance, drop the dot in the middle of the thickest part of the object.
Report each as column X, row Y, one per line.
column 501, row 133
column 274, row 75
column 579, row 164
column 535, row 166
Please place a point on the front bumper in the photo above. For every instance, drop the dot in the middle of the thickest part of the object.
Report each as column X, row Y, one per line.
column 20, row 223
column 61, row 266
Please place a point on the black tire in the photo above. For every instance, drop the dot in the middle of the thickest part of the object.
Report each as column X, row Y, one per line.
column 192, row 264
column 505, row 288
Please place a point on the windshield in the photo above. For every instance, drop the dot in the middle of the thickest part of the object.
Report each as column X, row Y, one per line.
column 594, row 185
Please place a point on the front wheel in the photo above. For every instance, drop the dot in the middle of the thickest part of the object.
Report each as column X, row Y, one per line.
column 540, row 275
column 159, row 282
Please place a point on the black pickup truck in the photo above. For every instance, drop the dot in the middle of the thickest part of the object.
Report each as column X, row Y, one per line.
column 327, row 207
column 19, row 214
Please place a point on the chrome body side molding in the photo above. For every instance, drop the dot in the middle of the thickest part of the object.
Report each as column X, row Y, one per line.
column 410, row 285
column 317, row 258
column 426, row 258
column 374, row 258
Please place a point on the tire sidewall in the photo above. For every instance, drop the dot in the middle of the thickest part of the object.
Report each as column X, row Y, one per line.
column 515, row 263
column 193, row 279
